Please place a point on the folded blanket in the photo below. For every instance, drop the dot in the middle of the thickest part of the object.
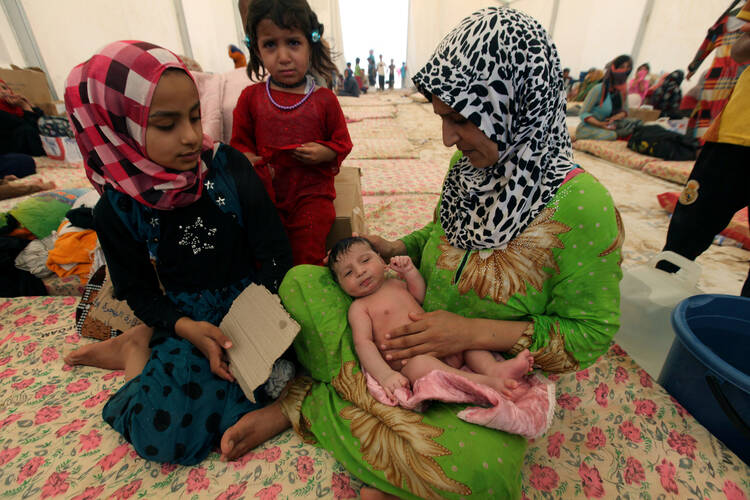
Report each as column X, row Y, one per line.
column 528, row 412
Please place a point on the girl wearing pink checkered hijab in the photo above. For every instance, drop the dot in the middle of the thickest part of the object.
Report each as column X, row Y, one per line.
column 180, row 211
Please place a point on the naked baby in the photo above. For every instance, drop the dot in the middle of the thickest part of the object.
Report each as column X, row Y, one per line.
column 382, row 304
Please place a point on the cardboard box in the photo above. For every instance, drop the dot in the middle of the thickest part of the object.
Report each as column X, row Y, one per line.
column 646, row 115
column 350, row 213
column 32, row 84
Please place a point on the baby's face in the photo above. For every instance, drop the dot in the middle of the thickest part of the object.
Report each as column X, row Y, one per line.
column 360, row 270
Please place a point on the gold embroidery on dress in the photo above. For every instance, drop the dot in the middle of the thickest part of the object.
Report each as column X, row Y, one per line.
column 395, row 440
column 291, row 406
column 619, row 239
column 553, row 357
column 500, row 274
column 524, row 341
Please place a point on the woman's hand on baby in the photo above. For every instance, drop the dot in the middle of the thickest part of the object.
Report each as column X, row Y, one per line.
column 210, row 341
column 436, row 333
column 312, row 152
column 394, row 381
column 385, row 248
column 401, row 264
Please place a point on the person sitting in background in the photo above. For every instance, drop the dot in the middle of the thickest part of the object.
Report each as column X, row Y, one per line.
column 667, row 96
column 19, row 132
column 639, row 84
column 391, row 75
column 605, row 103
column 567, row 80
column 350, row 87
column 592, row 78
column 236, row 55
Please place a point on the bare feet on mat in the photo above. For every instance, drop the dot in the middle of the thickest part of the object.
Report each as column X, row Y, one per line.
column 252, row 430
column 111, row 354
column 368, row 493
column 14, row 189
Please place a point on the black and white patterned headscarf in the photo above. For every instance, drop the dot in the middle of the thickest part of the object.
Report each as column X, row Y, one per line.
column 499, row 69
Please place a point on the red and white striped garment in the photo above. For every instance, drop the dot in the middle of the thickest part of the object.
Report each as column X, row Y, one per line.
column 108, row 99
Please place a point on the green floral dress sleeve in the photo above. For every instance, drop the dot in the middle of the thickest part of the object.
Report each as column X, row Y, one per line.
column 583, row 296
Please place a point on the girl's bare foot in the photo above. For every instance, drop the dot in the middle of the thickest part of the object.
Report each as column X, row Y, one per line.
column 252, row 430
column 111, row 354
column 14, row 189
column 369, row 493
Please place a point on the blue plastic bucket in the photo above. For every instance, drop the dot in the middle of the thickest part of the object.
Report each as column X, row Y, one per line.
column 708, row 366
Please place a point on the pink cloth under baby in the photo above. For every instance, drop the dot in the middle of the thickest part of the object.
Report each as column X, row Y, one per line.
column 528, row 412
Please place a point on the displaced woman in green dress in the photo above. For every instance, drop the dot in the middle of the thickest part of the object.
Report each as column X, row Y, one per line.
column 523, row 253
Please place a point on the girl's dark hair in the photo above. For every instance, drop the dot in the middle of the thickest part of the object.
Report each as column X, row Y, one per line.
column 644, row 65
column 287, row 14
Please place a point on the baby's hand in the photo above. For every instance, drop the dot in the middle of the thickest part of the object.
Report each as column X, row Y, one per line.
column 401, row 264
column 394, row 381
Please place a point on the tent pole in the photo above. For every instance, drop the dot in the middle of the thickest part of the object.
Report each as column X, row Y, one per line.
column 645, row 18
column 182, row 25
column 26, row 40
column 553, row 18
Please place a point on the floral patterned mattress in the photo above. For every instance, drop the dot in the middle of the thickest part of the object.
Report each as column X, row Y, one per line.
column 616, row 433
column 382, row 148
column 614, row 151
column 356, row 113
column 675, row 171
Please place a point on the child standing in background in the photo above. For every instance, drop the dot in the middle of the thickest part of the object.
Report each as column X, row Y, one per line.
column 294, row 132
column 381, row 73
column 202, row 214
column 391, row 75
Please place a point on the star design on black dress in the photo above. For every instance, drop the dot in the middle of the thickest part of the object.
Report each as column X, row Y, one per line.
column 221, row 201
column 197, row 236
column 209, row 184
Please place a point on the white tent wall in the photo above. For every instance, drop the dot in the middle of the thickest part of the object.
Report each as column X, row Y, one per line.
column 676, row 30
column 329, row 14
column 429, row 22
column 541, row 10
column 593, row 32
column 211, row 27
column 69, row 32
column 10, row 53
column 587, row 33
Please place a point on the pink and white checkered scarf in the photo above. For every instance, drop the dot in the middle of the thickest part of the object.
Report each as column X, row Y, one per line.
column 108, row 99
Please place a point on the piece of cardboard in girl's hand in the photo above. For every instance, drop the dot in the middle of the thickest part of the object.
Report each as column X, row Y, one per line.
column 260, row 330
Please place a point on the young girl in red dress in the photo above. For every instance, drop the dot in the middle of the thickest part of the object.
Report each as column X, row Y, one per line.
column 293, row 131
